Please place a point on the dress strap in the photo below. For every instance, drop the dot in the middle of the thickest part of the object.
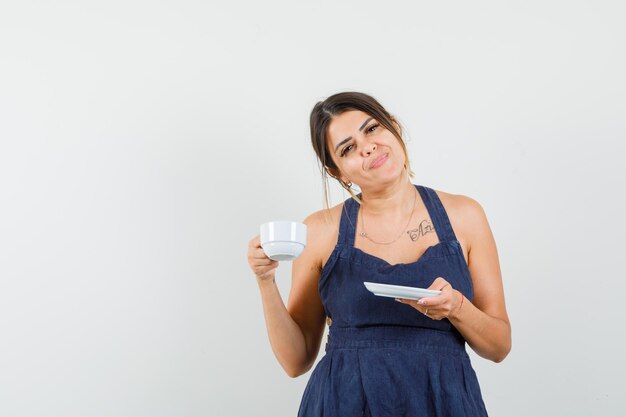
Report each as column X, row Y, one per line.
column 437, row 213
column 347, row 227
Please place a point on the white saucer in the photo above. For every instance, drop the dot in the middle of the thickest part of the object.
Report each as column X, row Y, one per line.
column 399, row 291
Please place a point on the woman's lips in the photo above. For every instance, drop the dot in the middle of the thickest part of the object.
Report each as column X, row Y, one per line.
column 379, row 161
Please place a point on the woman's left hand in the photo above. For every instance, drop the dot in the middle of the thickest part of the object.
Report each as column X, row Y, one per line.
column 440, row 306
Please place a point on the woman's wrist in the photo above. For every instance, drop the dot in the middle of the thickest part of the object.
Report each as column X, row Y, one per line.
column 266, row 282
column 455, row 313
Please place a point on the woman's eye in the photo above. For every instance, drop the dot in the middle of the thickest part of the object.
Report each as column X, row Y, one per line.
column 368, row 130
column 372, row 128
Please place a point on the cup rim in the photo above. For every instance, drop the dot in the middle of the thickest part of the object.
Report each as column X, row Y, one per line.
column 283, row 241
column 283, row 221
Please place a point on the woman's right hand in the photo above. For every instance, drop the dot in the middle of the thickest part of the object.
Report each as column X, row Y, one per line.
column 263, row 267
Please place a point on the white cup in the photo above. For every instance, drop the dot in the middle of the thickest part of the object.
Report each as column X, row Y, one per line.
column 283, row 240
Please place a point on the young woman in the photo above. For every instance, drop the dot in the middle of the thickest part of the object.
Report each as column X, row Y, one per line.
column 385, row 357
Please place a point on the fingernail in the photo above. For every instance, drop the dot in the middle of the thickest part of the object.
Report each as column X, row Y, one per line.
column 420, row 301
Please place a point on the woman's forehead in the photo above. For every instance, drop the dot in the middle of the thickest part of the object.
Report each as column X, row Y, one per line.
column 346, row 124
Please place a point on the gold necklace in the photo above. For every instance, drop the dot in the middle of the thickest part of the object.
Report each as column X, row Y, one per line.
column 365, row 235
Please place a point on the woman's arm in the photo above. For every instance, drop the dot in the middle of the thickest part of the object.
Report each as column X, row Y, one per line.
column 484, row 323
column 295, row 332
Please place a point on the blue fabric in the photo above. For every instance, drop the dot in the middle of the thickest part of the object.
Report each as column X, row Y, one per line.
column 384, row 358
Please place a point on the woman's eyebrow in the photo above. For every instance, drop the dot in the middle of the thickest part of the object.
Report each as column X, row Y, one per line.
column 350, row 137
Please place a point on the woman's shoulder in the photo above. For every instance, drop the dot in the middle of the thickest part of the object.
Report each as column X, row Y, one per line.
column 323, row 231
column 325, row 221
column 466, row 214
column 458, row 203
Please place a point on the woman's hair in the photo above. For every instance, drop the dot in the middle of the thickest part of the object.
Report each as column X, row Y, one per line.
column 324, row 112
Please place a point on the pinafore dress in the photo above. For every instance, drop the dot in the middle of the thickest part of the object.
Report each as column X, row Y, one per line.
column 384, row 358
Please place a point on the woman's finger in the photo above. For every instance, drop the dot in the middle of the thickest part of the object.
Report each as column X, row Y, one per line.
column 255, row 242
column 435, row 300
column 442, row 285
column 412, row 303
column 259, row 254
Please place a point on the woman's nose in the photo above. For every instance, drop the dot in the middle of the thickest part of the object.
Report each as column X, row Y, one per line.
column 369, row 148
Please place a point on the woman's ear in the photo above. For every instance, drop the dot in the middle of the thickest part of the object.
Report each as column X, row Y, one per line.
column 335, row 174
column 396, row 124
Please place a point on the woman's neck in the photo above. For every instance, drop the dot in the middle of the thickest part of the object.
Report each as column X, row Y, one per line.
column 392, row 200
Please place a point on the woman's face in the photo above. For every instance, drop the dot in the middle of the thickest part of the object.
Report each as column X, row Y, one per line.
column 365, row 152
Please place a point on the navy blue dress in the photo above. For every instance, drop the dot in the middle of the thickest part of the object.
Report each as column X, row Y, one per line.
column 384, row 358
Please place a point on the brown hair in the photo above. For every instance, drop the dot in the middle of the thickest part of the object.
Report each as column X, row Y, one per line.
column 324, row 112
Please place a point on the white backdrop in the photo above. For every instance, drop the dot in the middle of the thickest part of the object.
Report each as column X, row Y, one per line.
column 142, row 143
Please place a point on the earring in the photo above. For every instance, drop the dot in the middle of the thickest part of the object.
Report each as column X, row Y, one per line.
column 349, row 185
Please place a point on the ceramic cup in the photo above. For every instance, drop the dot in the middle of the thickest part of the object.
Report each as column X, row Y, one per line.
column 283, row 240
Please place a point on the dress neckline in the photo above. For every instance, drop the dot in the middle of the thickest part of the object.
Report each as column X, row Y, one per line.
column 386, row 263
column 352, row 211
